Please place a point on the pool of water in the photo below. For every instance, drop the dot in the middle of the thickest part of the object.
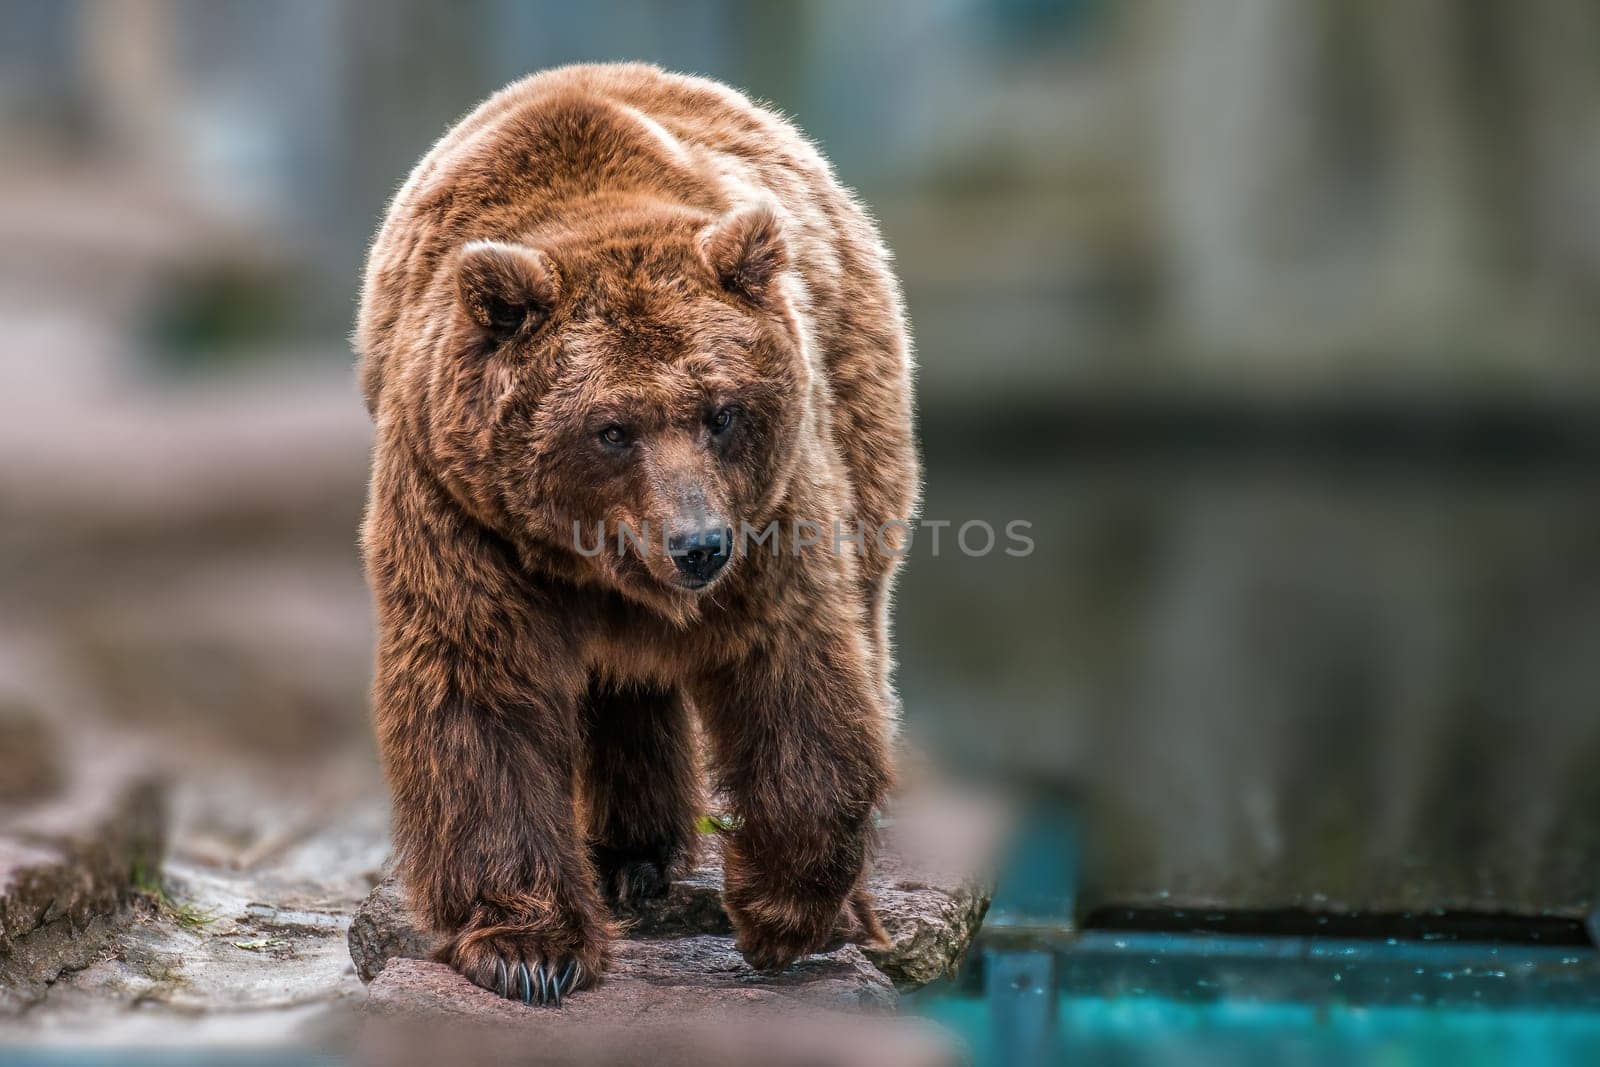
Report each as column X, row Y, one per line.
column 1132, row 1029
column 1202, row 988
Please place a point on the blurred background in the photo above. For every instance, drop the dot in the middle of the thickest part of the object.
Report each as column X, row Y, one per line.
column 1277, row 319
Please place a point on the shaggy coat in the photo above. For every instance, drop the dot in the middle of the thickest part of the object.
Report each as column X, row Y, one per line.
column 614, row 297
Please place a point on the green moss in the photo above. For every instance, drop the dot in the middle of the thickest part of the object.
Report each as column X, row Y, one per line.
column 717, row 824
column 146, row 882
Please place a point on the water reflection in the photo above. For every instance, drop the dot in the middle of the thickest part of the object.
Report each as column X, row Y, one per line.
column 1278, row 683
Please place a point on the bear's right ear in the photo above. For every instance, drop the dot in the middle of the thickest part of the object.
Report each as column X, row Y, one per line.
column 506, row 288
column 745, row 249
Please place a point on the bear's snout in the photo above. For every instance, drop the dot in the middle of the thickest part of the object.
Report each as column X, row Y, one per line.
column 701, row 553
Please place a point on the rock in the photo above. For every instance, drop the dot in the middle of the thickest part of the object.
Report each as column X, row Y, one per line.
column 68, row 866
column 384, row 929
column 679, row 991
column 843, row 978
column 644, row 975
column 930, row 883
column 689, row 1000
column 929, row 923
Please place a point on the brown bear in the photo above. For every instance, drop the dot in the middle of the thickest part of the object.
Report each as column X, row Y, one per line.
column 616, row 299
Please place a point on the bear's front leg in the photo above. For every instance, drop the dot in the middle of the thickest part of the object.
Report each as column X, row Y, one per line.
column 484, row 822
column 800, row 745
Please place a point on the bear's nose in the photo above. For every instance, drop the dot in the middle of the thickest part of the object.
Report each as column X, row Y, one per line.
column 700, row 555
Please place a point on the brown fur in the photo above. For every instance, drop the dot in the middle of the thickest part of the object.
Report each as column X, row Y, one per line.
column 613, row 246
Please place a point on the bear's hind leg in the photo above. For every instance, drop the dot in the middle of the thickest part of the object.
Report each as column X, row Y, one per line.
column 642, row 788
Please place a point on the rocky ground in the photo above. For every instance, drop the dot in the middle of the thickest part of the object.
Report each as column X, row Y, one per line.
column 234, row 934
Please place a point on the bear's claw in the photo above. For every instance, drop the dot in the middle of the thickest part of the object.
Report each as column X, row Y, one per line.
column 539, row 984
column 534, row 967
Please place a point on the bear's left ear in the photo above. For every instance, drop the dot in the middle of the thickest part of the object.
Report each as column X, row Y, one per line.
column 746, row 251
column 506, row 288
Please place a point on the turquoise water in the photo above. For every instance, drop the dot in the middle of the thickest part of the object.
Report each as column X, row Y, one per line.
column 1036, row 990
column 1136, row 998
column 1133, row 1030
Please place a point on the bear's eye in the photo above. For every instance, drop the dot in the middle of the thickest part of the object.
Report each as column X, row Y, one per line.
column 615, row 436
column 723, row 419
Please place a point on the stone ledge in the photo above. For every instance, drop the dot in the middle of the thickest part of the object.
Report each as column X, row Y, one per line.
column 930, row 883
column 69, row 864
column 682, row 1001
column 680, row 992
column 669, row 976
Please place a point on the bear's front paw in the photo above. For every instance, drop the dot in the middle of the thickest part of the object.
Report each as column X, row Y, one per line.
column 771, row 934
column 535, row 967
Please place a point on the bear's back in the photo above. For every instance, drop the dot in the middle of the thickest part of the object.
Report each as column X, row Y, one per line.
column 574, row 132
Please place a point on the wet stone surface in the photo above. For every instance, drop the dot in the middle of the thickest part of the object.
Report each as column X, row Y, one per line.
column 678, row 974
column 662, row 1006
column 677, row 954
column 678, row 1001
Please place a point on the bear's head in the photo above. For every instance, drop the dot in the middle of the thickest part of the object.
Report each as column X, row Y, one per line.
column 627, row 394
